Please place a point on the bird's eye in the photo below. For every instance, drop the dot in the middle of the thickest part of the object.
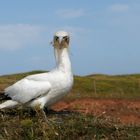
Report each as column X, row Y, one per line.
column 56, row 38
column 66, row 38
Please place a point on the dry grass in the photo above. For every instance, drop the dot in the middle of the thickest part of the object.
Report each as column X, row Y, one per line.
column 26, row 125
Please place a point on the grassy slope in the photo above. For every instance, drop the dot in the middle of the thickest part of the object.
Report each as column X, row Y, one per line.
column 22, row 124
column 100, row 86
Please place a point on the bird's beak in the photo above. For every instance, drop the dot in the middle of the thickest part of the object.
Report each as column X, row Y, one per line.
column 60, row 39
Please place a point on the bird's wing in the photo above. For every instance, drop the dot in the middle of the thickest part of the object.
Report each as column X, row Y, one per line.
column 25, row 90
column 38, row 77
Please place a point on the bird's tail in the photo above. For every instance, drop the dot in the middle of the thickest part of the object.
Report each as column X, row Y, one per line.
column 8, row 103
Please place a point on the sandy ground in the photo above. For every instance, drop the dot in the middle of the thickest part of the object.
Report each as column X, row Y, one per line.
column 124, row 111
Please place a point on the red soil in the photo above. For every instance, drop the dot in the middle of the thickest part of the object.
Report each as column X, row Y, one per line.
column 125, row 111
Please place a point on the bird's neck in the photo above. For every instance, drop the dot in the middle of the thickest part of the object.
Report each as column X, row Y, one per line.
column 56, row 54
column 62, row 59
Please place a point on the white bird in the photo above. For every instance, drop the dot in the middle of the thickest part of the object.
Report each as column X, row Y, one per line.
column 44, row 89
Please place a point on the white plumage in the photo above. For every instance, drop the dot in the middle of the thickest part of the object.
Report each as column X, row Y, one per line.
column 46, row 88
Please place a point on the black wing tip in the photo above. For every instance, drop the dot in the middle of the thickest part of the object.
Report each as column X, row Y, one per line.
column 3, row 96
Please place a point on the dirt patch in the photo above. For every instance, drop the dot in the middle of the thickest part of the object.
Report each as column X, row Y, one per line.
column 125, row 111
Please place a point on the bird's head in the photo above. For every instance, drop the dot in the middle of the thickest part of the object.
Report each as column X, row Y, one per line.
column 61, row 39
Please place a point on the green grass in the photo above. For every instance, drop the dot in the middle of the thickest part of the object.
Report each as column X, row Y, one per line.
column 104, row 86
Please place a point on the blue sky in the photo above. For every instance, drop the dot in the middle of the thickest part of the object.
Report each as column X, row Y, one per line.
column 105, row 35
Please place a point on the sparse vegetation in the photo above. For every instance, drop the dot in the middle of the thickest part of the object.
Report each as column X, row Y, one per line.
column 67, row 126
column 25, row 124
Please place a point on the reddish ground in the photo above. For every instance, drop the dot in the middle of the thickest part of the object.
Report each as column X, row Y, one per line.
column 125, row 111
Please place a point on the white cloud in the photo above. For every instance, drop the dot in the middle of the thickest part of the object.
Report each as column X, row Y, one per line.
column 15, row 36
column 119, row 8
column 71, row 13
column 18, row 35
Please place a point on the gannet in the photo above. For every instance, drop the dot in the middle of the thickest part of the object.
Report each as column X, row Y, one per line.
column 44, row 89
